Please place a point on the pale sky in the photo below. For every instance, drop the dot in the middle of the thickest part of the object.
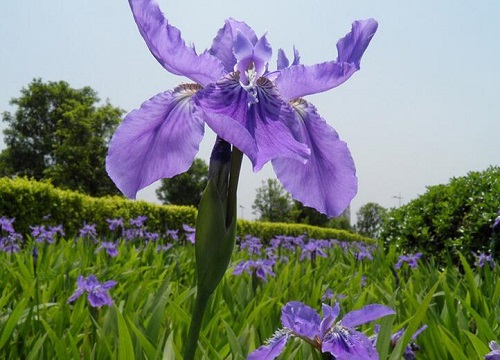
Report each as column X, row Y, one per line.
column 424, row 107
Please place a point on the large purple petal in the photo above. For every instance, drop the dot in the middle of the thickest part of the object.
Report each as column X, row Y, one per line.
column 366, row 314
column 165, row 43
column 159, row 140
column 348, row 344
column 273, row 349
column 303, row 320
column 327, row 182
column 261, row 130
column 222, row 46
column 300, row 80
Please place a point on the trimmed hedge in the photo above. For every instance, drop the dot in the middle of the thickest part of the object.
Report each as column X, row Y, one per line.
column 29, row 201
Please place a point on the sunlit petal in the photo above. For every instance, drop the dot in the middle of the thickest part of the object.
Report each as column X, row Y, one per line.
column 327, row 182
column 300, row 80
column 167, row 46
column 159, row 140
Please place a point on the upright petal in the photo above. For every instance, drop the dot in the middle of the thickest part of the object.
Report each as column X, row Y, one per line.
column 327, row 182
column 303, row 320
column 329, row 316
column 222, row 46
column 167, row 46
column 366, row 314
column 159, row 140
column 260, row 130
column 300, row 80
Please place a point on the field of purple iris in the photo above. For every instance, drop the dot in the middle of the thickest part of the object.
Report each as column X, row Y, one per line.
column 129, row 293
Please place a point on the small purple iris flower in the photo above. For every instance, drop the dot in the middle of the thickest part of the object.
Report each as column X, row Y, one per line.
column 340, row 339
column 311, row 250
column 6, row 224
column 410, row 259
column 190, row 233
column 496, row 224
column 483, row 258
column 97, row 293
column 88, row 231
column 111, row 248
column 494, row 354
column 261, row 113
column 261, row 268
column 410, row 349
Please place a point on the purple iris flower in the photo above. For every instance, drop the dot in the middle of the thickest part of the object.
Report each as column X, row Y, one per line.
column 494, row 354
column 410, row 349
column 261, row 268
column 483, row 258
column 252, row 244
column 98, row 294
column 410, row 259
column 261, row 113
column 110, row 247
column 496, row 224
column 138, row 221
column 41, row 234
column 114, row 224
column 339, row 338
column 88, row 231
column 311, row 250
column 6, row 224
column 190, row 233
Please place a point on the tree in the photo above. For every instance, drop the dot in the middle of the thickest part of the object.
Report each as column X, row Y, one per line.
column 370, row 218
column 185, row 188
column 272, row 202
column 60, row 133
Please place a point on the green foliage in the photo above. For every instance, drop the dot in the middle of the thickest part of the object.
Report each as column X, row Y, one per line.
column 370, row 217
column 185, row 188
column 60, row 133
column 272, row 202
column 454, row 217
column 156, row 291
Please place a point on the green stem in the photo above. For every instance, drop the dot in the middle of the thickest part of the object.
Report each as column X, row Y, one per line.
column 234, row 176
column 202, row 298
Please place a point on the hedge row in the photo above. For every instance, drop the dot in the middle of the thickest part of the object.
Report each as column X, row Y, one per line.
column 29, row 201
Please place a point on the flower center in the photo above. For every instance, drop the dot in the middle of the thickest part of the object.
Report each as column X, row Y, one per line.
column 251, row 79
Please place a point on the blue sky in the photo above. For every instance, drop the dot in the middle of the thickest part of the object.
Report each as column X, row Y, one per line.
column 424, row 107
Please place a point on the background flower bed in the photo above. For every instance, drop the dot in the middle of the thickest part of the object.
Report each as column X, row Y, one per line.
column 155, row 292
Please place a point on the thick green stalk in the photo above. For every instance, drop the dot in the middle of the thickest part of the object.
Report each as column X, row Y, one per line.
column 202, row 298
column 215, row 232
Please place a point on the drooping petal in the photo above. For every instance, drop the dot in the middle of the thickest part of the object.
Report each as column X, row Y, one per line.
column 327, row 182
column 273, row 349
column 222, row 46
column 303, row 320
column 366, row 314
column 260, row 130
column 167, row 46
column 348, row 344
column 297, row 81
column 158, row 140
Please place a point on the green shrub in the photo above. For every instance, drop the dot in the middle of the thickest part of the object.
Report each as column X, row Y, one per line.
column 29, row 201
column 455, row 216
